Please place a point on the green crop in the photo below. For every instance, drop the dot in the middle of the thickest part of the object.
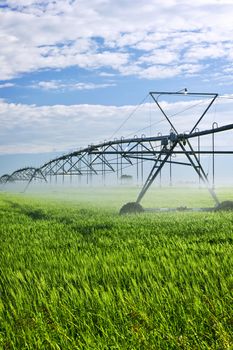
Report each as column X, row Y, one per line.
column 76, row 275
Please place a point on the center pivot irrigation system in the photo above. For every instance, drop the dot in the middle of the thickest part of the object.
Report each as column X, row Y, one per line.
column 116, row 155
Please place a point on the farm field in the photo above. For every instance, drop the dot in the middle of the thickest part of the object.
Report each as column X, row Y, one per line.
column 76, row 275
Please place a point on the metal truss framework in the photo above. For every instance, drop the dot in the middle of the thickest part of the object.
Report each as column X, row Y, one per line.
column 23, row 174
column 114, row 156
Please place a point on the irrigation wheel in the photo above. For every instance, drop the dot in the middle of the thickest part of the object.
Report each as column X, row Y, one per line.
column 131, row 208
column 226, row 205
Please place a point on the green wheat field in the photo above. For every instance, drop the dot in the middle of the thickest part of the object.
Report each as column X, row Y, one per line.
column 76, row 275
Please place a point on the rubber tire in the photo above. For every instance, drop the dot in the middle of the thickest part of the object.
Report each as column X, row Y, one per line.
column 131, row 208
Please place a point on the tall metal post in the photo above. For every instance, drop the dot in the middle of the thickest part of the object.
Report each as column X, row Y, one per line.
column 104, row 171
column 102, row 168
column 160, row 174
column 56, row 174
column 87, row 171
column 71, row 164
column 63, row 173
column 121, row 171
column 79, row 176
column 199, row 155
column 213, row 155
column 117, row 162
column 90, row 160
column 170, row 166
column 50, row 174
column 137, row 161
column 142, row 169
column 170, row 172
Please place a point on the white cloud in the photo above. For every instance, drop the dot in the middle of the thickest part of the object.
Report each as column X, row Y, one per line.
column 156, row 71
column 202, row 52
column 160, row 56
column 114, row 34
column 60, row 85
column 6, row 85
column 29, row 128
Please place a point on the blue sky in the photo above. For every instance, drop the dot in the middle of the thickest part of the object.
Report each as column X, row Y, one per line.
column 72, row 71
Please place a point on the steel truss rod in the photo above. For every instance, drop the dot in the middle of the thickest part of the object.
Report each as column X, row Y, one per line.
column 166, row 151
column 25, row 174
column 212, row 95
column 184, row 93
column 131, row 150
column 204, row 113
column 181, row 141
column 95, row 149
column 110, row 148
column 103, row 159
column 4, row 178
column 168, row 161
column 33, row 176
column 200, row 171
column 155, row 171
column 53, row 167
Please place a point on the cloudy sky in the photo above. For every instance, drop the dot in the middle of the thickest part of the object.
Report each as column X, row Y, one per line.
column 73, row 71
